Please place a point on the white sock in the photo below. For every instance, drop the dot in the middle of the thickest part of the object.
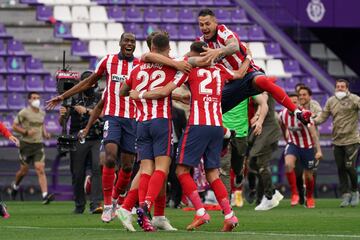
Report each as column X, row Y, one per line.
column 44, row 194
column 200, row 211
column 16, row 187
column 159, row 217
column 230, row 215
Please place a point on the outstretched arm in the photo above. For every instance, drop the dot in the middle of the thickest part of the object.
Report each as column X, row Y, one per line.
column 231, row 46
column 154, row 94
column 182, row 66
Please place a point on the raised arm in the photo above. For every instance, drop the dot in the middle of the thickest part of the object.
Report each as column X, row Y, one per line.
column 154, row 94
column 231, row 46
column 324, row 115
column 182, row 66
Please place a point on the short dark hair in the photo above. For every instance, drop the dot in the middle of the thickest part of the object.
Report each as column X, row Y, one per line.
column 198, row 46
column 293, row 94
column 150, row 37
column 31, row 93
column 125, row 33
column 161, row 42
column 307, row 89
column 344, row 81
column 300, row 84
column 206, row 12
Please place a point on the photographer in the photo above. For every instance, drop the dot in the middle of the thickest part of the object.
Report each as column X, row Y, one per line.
column 79, row 113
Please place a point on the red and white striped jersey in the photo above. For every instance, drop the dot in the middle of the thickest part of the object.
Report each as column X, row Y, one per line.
column 206, row 86
column 299, row 134
column 149, row 76
column 117, row 70
column 234, row 61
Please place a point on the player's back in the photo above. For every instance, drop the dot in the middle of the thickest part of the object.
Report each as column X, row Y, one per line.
column 149, row 76
column 206, row 85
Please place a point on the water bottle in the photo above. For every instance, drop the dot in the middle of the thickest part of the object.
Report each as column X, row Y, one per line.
column 81, row 139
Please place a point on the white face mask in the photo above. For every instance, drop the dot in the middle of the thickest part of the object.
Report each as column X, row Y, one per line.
column 35, row 103
column 340, row 95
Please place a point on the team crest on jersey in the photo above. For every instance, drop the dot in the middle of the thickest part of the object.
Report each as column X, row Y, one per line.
column 315, row 10
column 118, row 78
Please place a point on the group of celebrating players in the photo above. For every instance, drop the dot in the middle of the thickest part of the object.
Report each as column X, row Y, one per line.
column 136, row 103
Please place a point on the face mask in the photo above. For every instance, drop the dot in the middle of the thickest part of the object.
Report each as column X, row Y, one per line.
column 36, row 103
column 340, row 95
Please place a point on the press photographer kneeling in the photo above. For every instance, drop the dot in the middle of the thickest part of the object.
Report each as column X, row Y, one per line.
column 87, row 150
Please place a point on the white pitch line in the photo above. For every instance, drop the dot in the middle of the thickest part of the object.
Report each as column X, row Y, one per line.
column 205, row 232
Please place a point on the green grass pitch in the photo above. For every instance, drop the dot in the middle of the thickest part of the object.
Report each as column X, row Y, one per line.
column 31, row 220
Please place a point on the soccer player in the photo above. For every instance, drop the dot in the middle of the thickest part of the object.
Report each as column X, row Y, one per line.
column 301, row 142
column 203, row 135
column 120, row 124
column 154, row 129
column 225, row 47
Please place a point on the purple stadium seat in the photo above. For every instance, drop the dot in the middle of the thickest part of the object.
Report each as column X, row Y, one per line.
column 34, row 65
column 205, row 2
column 187, row 2
column 29, row 2
column 15, row 65
column 116, row 13
column 152, row 2
column 8, row 120
column 103, row 2
column 292, row 66
column 34, row 83
column 256, row 33
column 239, row 16
column 2, row 65
column 134, row 2
column 241, row 31
column 151, row 15
column 15, row 83
column 2, row 83
column 15, row 47
column 3, row 51
column 326, row 127
column 52, row 123
column 186, row 32
column 49, row 83
column 80, row 48
column 223, row 16
column 312, row 84
column 187, row 15
column 134, row 14
column 280, row 82
column 93, row 63
column 62, row 30
column 3, row 102
column 44, row 13
column 149, row 28
column 16, row 101
column 3, row 33
column 273, row 49
column 170, row 2
column 172, row 30
column 169, row 15
column 115, row 2
column 136, row 29
column 291, row 83
column 222, row 2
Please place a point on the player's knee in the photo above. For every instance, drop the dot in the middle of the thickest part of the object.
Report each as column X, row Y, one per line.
column 110, row 160
column 212, row 175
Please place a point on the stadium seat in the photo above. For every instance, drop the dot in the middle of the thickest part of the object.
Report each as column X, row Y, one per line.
column 2, row 65
column 133, row 14
column 15, row 47
column 138, row 49
column 186, row 32
column 97, row 48
column 33, row 65
column 331, row 55
column 112, row 47
column 152, row 2
column 149, row 28
column 326, row 127
column 62, row 30
column 239, row 16
column 187, row 15
column 171, row 29
column 80, row 48
column 49, row 83
column 97, row 31
column 2, row 83
column 312, row 84
column 187, row 2
column 44, row 13
column 3, row 33
column 317, row 50
column 81, row 2
column 170, row 2
column 114, row 30
column 34, row 83
column 292, row 66
column 144, row 46
column 290, row 84
column 80, row 14
column 3, row 103
column 273, row 49
column 3, row 51
column 205, row 2
column 136, row 29
column 335, row 68
column 256, row 33
column 116, row 13
column 80, row 30
column 105, row 2
column 62, row 13
column 258, row 50
column 16, row 101
column 93, row 63
column 169, row 15
column 134, row 2
column 52, row 123
column 222, row 2
column 349, row 72
column 98, row 14
column 275, row 67
column 241, row 31
column 15, row 65
column 174, row 50
column 184, row 47
column 222, row 15
column 152, row 15
column 261, row 63
column 15, row 83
